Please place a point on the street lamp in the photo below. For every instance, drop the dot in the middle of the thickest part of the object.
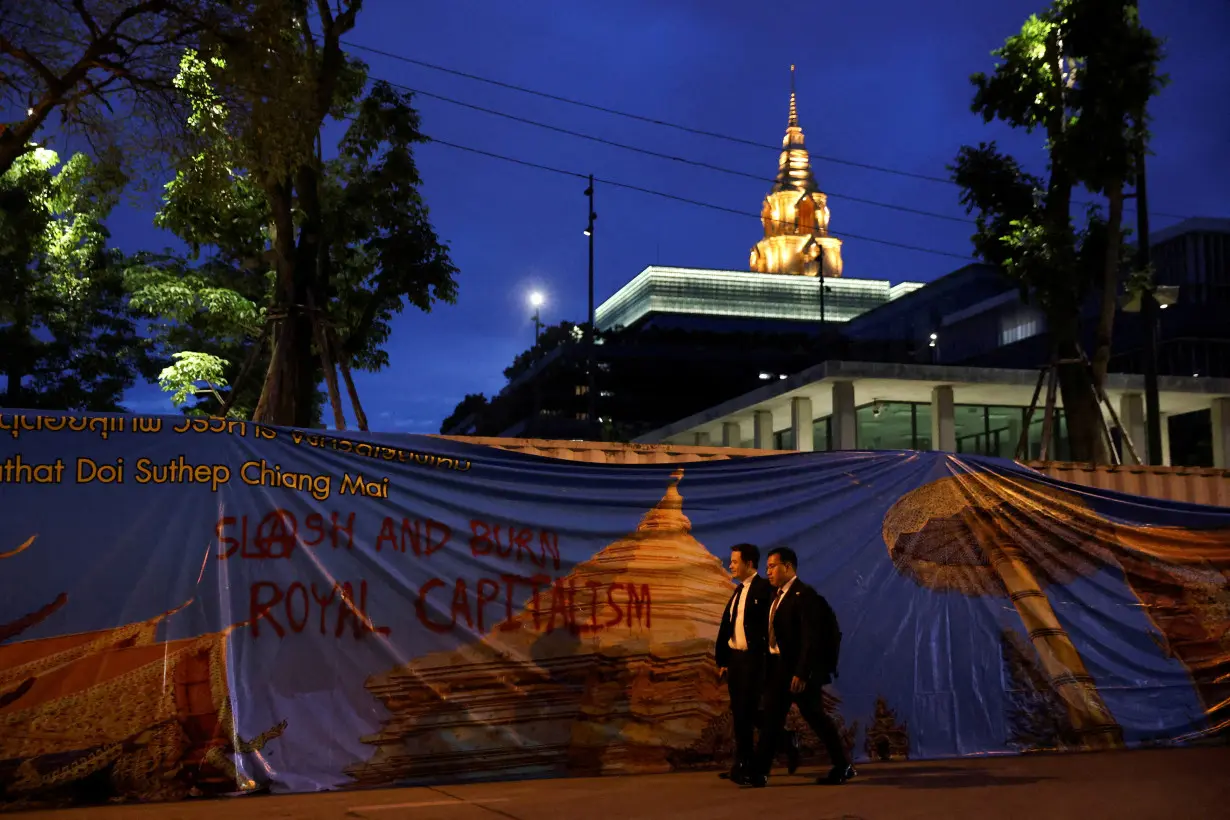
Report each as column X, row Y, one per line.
column 536, row 302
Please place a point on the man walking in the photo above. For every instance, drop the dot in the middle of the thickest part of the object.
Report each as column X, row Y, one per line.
column 742, row 643
column 801, row 659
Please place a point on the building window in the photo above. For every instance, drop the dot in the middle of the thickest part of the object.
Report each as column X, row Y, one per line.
column 582, row 389
column 922, row 427
column 822, row 434
column 783, row 440
column 1003, row 430
column 989, row 431
column 1022, row 323
column 885, row 425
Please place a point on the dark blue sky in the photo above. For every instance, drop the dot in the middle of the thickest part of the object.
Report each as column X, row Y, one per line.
column 881, row 82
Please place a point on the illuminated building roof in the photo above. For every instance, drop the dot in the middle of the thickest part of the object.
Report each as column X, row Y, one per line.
column 704, row 292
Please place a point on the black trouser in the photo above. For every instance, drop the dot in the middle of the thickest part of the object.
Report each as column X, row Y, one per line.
column 745, row 680
column 777, row 701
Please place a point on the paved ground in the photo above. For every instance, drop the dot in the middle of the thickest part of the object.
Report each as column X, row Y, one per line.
column 1164, row 784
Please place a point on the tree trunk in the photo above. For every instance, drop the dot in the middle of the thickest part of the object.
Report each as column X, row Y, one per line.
column 16, row 354
column 1110, row 284
column 286, row 395
column 1080, row 407
column 1082, row 413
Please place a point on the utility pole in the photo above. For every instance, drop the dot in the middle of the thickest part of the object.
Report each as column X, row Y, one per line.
column 589, row 353
column 822, row 289
column 1150, row 315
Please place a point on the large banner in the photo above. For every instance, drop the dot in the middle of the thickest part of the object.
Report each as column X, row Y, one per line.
column 196, row 606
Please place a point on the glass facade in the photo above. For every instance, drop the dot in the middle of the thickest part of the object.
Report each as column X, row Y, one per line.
column 980, row 430
column 922, row 423
column 822, row 434
column 886, row 425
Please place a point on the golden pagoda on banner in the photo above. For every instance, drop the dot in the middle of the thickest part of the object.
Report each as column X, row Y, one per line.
column 116, row 714
column 619, row 699
column 796, row 214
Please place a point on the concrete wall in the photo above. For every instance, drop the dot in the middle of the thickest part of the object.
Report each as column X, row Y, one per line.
column 1186, row 484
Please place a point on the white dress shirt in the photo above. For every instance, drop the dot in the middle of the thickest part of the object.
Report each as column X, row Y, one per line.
column 738, row 635
column 774, row 649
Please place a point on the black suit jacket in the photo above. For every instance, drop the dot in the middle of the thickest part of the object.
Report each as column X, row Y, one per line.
column 755, row 621
column 798, row 625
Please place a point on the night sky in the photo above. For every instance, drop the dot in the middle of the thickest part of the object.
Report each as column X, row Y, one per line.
column 882, row 82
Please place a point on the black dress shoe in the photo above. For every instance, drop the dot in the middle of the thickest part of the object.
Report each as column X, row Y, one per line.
column 737, row 774
column 837, row 776
column 792, row 753
column 757, row 781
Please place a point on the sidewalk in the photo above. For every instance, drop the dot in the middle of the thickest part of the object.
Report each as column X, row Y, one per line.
column 1162, row 784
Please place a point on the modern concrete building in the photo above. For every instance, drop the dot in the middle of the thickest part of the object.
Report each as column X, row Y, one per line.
column 873, row 406
column 696, row 354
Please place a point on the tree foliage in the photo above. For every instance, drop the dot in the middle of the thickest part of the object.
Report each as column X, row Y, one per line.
column 67, row 337
column 472, row 403
column 551, row 337
column 360, row 236
column 82, row 59
column 1081, row 73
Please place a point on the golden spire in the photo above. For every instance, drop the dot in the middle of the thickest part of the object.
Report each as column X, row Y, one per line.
column 793, row 122
column 794, row 168
column 796, row 213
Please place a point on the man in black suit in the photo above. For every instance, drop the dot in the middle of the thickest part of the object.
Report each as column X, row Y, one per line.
column 797, row 667
column 742, row 644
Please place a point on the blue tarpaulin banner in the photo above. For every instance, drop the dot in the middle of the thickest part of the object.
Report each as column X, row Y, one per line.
column 195, row 606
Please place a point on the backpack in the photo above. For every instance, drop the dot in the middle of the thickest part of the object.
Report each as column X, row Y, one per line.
column 831, row 647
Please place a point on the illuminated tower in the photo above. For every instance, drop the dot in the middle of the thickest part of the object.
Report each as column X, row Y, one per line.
column 796, row 214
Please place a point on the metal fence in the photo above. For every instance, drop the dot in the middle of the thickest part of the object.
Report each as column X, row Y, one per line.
column 1196, row 485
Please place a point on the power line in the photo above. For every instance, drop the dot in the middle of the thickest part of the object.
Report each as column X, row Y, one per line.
column 684, row 128
column 701, row 204
column 659, row 154
column 641, row 118
column 650, row 191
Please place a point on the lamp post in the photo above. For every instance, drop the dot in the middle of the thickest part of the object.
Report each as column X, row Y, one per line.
column 536, row 302
column 1149, row 313
column 822, row 290
column 1149, row 303
column 589, row 352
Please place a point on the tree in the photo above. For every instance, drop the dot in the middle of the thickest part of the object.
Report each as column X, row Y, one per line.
column 1117, row 74
column 1081, row 74
column 552, row 337
column 471, row 404
column 371, row 251
column 83, row 57
column 206, row 321
column 67, row 337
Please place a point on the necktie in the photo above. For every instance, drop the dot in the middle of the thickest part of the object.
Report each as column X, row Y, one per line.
column 773, row 613
column 734, row 605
